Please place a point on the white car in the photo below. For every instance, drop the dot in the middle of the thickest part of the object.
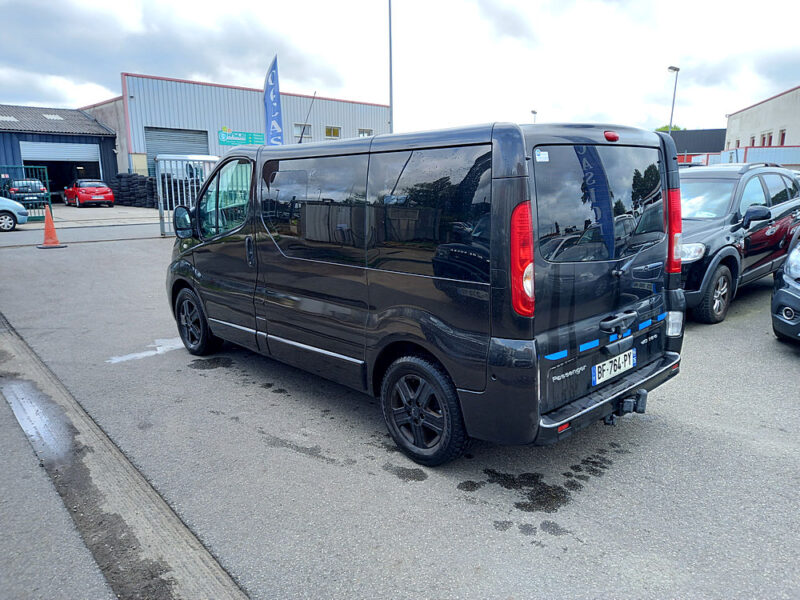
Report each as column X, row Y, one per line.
column 11, row 214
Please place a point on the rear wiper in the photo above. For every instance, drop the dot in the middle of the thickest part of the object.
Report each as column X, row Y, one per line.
column 619, row 272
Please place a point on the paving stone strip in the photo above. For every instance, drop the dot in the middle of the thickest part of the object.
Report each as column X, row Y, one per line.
column 142, row 547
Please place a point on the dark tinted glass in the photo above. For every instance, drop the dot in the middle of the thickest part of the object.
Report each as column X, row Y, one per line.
column 753, row 195
column 705, row 198
column 794, row 189
column 429, row 212
column 223, row 207
column 314, row 207
column 776, row 188
column 597, row 202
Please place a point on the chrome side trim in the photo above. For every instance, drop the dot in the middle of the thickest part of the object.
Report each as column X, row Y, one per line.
column 314, row 349
column 239, row 327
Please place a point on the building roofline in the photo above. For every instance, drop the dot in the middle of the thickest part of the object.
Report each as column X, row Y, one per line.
column 96, row 104
column 247, row 89
column 763, row 101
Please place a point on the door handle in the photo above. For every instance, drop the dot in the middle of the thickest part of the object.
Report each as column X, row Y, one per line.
column 250, row 249
column 618, row 321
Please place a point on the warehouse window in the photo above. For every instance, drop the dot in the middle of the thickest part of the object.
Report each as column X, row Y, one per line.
column 53, row 117
column 782, row 137
column 8, row 118
column 753, row 141
column 769, row 140
column 763, row 140
column 303, row 129
column 364, row 132
column 333, row 133
column 737, row 143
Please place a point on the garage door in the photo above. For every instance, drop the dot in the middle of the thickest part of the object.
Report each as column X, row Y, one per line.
column 173, row 141
column 61, row 152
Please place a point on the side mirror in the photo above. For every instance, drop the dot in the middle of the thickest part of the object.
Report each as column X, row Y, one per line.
column 755, row 212
column 182, row 222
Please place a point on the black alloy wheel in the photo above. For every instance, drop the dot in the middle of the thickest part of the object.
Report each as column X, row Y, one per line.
column 717, row 298
column 192, row 324
column 421, row 410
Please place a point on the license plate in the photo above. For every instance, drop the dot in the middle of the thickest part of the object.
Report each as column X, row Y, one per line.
column 614, row 366
column 98, row 197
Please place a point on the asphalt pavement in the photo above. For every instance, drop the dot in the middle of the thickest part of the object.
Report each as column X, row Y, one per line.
column 292, row 483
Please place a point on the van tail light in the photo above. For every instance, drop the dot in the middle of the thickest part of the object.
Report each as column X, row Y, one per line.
column 674, row 229
column 522, row 260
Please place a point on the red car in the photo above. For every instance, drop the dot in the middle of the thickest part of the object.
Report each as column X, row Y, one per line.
column 85, row 192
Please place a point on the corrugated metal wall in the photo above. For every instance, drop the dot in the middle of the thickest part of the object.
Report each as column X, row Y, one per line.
column 10, row 149
column 181, row 105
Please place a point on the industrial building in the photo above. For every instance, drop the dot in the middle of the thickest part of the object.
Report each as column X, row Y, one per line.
column 69, row 143
column 771, row 122
column 160, row 115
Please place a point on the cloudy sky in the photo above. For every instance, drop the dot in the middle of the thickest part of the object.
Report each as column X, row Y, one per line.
column 455, row 61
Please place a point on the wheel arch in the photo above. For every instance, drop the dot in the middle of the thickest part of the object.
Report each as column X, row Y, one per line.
column 178, row 285
column 729, row 257
column 390, row 353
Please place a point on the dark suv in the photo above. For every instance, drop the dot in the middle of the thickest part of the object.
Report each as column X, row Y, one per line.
column 739, row 220
column 422, row 269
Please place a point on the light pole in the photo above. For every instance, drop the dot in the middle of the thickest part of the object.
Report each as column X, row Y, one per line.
column 533, row 112
column 391, row 91
column 674, row 90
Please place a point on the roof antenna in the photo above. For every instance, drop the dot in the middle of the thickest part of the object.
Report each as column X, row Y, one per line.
column 302, row 131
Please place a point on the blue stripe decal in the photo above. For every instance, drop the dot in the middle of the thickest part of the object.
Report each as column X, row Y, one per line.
column 556, row 355
column 644, row 324
column 626, row 333
column 661, row 317
column 589, row 345
column 613, row 337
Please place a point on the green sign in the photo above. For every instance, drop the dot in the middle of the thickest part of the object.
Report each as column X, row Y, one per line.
column 235, row 138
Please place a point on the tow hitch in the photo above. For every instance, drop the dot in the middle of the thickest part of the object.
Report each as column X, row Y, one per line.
column 637, row 403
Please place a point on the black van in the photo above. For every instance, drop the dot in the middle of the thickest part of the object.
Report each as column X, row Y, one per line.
column 406, row 266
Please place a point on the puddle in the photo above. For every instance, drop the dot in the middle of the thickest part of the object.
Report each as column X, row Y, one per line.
column 405, row 473
column 205, row 364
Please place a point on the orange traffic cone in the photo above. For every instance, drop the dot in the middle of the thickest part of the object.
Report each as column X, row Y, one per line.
column 50, row 237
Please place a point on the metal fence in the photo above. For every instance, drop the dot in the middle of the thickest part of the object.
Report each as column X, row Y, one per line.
column 178, row 182
column 28, row 185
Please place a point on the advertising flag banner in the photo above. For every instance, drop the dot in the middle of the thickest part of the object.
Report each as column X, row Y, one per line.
column 272, row 106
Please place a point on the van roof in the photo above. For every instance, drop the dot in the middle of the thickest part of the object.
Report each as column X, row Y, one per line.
column 475, row 134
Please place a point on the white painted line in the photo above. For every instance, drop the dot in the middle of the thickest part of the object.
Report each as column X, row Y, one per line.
column 161, row 347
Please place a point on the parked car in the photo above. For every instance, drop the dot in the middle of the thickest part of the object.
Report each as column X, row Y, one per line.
column 87, row 192
column 738, row 222
column 403, row 266
column 786, row 298
column 12, row 213
column 24, row 190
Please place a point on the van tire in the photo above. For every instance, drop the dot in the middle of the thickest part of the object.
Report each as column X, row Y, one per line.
column 716, row 298
column 193, row 325
column 415, row 389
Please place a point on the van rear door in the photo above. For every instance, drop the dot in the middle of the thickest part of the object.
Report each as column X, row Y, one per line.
column 600, row 258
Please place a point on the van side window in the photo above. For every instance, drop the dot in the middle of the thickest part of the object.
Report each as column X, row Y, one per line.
column 223, row 207
column 778, row 193
column 597, row 203
column 753, row 195
column 314, row 207
column 429, row 212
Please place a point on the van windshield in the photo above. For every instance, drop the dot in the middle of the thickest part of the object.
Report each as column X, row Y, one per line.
column 597, row 203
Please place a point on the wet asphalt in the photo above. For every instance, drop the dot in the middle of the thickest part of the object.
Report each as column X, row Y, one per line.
column 294, row 486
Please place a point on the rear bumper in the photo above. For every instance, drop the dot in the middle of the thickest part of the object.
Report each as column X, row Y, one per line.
column 591, row 408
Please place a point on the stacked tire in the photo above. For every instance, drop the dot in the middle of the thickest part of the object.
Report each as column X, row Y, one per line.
column 131, row 189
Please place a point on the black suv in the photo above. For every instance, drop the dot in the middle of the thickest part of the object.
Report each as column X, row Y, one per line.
column 432, row 270
column 739, row 220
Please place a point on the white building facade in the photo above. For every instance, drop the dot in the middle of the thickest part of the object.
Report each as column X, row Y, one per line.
column 159, row 115
column 769, row 123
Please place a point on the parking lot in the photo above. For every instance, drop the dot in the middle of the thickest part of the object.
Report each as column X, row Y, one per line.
column 294, row 487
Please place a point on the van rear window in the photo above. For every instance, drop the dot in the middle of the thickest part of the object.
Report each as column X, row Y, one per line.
column 597, row 203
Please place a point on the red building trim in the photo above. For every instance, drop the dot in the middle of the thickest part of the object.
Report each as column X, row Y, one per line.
column 246, row 89
column 762, row 102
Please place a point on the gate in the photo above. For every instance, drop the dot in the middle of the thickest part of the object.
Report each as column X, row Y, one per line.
column 178, row 180
column 30, row 194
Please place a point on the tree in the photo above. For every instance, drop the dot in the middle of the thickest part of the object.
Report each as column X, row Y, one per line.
column 666, row 128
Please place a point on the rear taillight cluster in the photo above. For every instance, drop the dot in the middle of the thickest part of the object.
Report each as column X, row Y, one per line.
column 13, row 190
column 674, row 229
column 41, row 189
column 522, row 260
